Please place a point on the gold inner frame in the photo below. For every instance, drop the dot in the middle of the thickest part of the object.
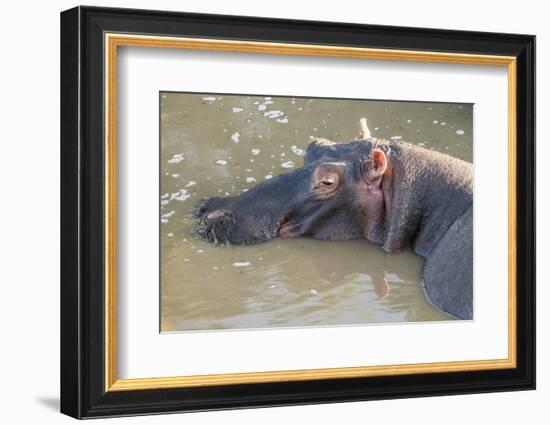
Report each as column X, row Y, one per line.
column 113, row 41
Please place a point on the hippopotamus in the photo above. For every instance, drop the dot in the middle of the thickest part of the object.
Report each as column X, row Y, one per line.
column 392, row 193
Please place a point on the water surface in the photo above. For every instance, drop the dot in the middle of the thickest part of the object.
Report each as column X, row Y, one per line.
column 220, row 145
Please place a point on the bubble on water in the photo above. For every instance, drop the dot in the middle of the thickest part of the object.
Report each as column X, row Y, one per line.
column 209, row 98
column 269, row 176
column 268, row 98
column 313, row 292
column 443, row 123
column 282, row 120
column 297, row 150
column 226, row 193
column 435, row 121
column 200, row 251
column 176, row 158
column 262, row 107
column 244, row 190
column 164, row 217
column 288, row 164
column 283, row 154
column 376, row 128
column 248, row 170
column 186, row 259
column 175, row 175
column 237, row 110
column 396, row 137
column 409, row 121
column 272, row 286
column 460, row 132
column 255, row 151
column 235, row 137
column 165, row 196
column 241, row 264
column 250, row 179
column 221, row 162
column 421, row 144
column 170, row 234
column 300, row 108
column 191, row 183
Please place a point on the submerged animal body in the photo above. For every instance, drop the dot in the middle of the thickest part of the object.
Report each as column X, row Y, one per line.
column 393, row 194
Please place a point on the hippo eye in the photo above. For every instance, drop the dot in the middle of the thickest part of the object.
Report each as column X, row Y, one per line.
column 327, row 178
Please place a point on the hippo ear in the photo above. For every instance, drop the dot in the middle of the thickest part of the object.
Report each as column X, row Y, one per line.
column 378, row 165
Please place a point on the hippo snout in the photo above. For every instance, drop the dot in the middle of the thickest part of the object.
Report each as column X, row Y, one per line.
column 215, row 226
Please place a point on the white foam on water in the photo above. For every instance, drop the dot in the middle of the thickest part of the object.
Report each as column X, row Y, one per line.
column 460, row 132
column 297, row 150
column 221, row 162
column 255, row 151
column 210, row 98
column 175, row 175
column 435, row 121
column 235, row 137
column 269, row 176
column 262, row 107
column 273, row 114
column 313, row 292
column 288, row 164
column 396, row 137
column 176, row 158
column 191, row 183
column 282, row 120
column 443, row 123
column 181, row 195
column 237, row 110
column 250, row 179
column 164, row 217
column 241, row 264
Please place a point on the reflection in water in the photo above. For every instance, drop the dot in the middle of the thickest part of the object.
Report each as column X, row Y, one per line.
column 214, row 145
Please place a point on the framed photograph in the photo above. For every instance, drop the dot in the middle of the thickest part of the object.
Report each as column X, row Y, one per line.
column 261, row 212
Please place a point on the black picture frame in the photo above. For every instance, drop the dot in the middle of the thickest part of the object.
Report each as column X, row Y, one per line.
column 83, row 392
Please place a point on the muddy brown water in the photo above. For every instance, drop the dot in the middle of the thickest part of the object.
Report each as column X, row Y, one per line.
column 219, row 145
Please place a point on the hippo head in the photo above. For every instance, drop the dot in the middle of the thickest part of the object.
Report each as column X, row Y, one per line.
column 335, row 195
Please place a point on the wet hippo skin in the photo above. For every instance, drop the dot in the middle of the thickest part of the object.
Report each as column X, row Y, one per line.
column 391, row 193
